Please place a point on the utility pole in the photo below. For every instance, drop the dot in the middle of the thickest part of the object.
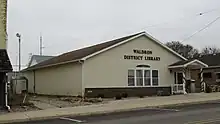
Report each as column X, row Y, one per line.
column 19, row 51
column 41, row 45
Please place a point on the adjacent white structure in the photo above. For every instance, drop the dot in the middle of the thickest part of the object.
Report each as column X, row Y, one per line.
column 35, row 59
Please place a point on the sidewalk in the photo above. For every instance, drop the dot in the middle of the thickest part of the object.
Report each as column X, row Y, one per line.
column 113, row 106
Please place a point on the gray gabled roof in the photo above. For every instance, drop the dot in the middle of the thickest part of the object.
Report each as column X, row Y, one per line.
column 81, row 54
column 39, row 59
column 212, row 60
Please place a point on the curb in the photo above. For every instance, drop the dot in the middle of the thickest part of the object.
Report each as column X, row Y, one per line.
column 103, row 112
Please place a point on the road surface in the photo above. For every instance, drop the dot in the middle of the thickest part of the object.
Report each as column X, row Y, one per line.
column 208, row 113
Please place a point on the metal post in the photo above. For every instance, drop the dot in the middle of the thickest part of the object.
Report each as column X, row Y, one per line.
column 19, row 51
column 184, row 82
column 19, row 40
column 41, row 47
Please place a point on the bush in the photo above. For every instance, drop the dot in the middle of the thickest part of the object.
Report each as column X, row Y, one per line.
column 100, row 96
column 124, row 95
column 160, row 93
column 79, row 96
column 93, row 100
column 141, row 95
column 207, row 89
column 118, row 97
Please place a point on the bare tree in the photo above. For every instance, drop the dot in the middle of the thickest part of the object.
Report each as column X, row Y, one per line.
column 187, row 50
column 210, row 50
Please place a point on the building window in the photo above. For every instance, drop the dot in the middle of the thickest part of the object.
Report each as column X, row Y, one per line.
column 131, row 79
column 147, row 78
column 143, row 77
column 139, row 77
column 155, row 79
column 207, row 75
column 218, row 76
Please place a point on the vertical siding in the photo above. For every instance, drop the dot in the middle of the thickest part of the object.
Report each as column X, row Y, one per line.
column 109, row 69
column 58, row 80
column 3, row 23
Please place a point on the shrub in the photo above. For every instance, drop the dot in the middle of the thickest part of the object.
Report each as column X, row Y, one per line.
column 118, row 97
column 124, row 95
column 207, row 89
column 141, row 95
column 100, row 96
column 79, row 96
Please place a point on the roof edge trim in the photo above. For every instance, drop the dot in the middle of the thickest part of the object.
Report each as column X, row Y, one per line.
column 61, row 63
column 110, row 47
column 132, row 38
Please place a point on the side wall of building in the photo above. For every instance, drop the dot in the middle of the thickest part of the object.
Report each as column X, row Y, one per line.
column 110, row 69
column 30, row 76
column 3, row 23
column 65, row 80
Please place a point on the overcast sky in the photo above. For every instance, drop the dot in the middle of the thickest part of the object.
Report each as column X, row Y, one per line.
column 71, row 24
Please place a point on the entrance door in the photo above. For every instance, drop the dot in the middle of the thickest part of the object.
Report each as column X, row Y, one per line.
column 2, row 90
column 179, row 78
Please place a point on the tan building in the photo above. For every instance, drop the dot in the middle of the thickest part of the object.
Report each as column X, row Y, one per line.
column 3, row 21
column 5, row 65
column 133, row 65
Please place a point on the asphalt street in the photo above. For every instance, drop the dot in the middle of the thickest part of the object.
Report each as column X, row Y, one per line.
column 208, row 113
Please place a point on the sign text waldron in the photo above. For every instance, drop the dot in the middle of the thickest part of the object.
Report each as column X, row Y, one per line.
column 142, row 57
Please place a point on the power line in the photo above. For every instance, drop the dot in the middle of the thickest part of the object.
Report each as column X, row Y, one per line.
column 183, row 18
column 206, row 26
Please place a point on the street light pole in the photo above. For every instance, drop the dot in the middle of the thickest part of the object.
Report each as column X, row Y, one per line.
column 19, row 51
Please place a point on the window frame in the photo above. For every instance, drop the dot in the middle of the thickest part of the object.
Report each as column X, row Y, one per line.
column 131, row 77
column 217, row 74
column 143, row 72
column 154, row 77
column 207, row 77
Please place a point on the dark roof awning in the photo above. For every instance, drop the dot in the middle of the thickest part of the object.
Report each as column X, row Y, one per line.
column 5, row 64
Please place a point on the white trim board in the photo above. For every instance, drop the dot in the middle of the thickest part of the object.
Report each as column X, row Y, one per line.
column 143, row 34
column 186, row 64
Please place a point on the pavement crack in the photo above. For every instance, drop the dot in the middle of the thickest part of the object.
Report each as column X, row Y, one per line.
column 73, row 120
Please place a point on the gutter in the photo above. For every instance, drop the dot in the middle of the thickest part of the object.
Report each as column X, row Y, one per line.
column 50, row 65
column 6, row 97
column 81, row 61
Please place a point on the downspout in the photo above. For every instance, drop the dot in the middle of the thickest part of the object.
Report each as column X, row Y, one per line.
column 34, row 83
column 6, row 96
column 83, row 88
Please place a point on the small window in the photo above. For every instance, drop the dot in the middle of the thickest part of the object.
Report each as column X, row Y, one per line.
column 217, row 75
column 207, row 75
column 139, row 77
column 131, row 81
column 147, row 78
column 155, row 79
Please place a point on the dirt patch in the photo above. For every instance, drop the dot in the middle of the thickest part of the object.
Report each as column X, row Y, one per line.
column 62, row 102
column 19, row 108
column 20, row 103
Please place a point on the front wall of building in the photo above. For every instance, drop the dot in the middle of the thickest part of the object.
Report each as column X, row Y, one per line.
column 58, row 80
column 110, row 69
